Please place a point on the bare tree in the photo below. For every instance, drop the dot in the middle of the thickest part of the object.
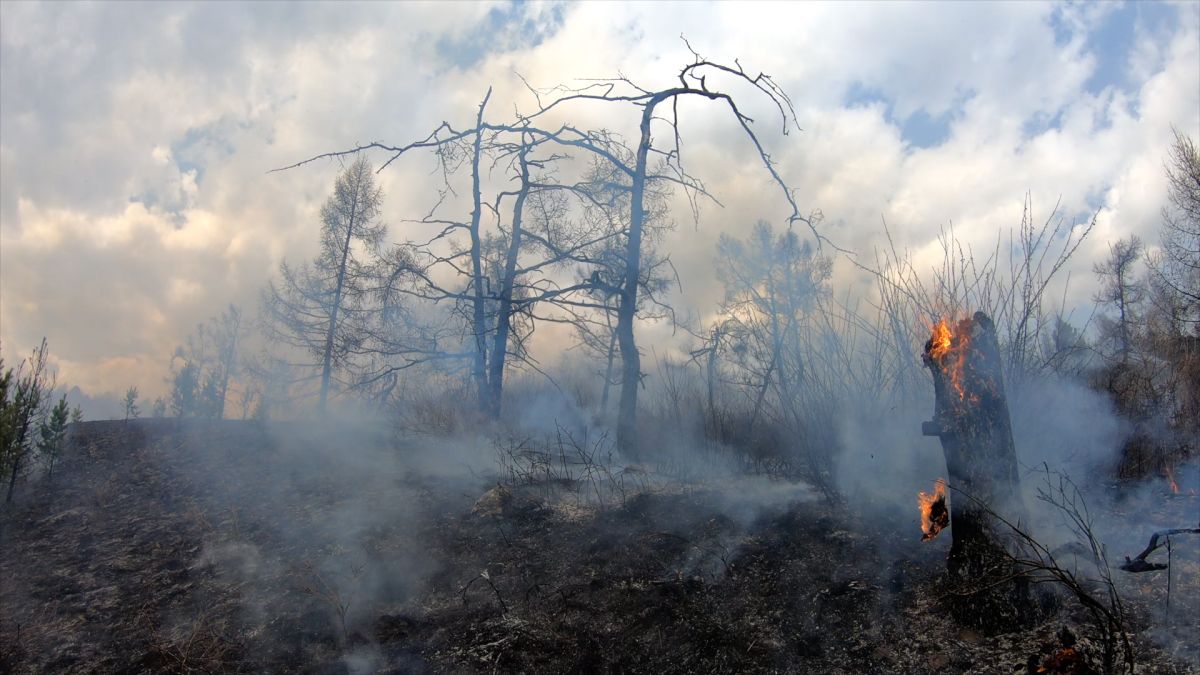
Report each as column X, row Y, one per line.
column 637, row 171
column 477, row 286
column 601, row 269
column 1122, row 291
column 313, row 307
column 774, row 285
column 693, row 82
column 498, row 283
column 1177, row 268
column 1009, row 283
column 557, row 227
column 508, row 272
column 226, row 330
column 431, row 270
column 204, row 366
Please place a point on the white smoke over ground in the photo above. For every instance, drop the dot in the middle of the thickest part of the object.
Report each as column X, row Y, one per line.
column 327, row 517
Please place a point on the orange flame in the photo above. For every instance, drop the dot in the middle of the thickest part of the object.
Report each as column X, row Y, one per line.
column 934, row 514
column 943, row 341
column 1171, row 480
column 940, row 342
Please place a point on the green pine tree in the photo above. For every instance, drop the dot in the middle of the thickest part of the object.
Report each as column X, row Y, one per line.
column 54, row 433
column 131, row 406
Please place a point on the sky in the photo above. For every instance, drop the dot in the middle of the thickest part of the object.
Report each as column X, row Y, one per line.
column 136, row 139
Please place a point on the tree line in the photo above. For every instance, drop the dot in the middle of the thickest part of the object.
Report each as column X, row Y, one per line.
column 529, row 246
column 539, row 223
column 562, row 225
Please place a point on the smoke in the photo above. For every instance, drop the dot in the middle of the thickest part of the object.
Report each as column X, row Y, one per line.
column 1062, row 424
column 321, row 525
column 1069, row 439
column 884, row 459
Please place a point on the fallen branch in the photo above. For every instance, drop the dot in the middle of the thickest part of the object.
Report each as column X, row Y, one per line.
column 488, row 578
column 1139, row 564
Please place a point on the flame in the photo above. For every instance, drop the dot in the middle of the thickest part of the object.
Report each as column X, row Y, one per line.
column 945, row 342
column 934, row 514
column 1065, row 660
column 1171, row 480
column 939, row 344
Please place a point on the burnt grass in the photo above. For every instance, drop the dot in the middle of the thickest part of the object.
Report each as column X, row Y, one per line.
column 206, row 547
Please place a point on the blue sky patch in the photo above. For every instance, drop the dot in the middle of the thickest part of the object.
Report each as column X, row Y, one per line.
column 920, row 129
column 506, row 28
column 192, row 152
column 926, row 131
column 1113, row 41
column 1040, row 123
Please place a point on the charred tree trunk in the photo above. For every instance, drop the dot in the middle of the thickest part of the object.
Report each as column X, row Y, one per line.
column 331, row 333
column 608, row 370
column 631, row 367
column 971, row 419
column 504, row 318
column 478, row 316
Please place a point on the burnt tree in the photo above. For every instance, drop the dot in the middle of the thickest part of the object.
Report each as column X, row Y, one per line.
column 971, row 419
column 693, row 83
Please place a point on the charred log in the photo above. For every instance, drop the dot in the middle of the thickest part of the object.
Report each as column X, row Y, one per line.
column 1157, row 540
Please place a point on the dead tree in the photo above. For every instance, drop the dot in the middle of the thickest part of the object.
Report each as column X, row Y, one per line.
column 773, row 288
column 500, row 277
column 693, row 83
column 971, row 419
column 508, row 278
column 478, row 299
column 641, row 171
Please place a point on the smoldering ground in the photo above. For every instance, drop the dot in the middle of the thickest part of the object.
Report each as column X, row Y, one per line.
column 345, row 545
column 290, row 540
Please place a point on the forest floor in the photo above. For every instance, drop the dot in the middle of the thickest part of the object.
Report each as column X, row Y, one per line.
column 229, row 547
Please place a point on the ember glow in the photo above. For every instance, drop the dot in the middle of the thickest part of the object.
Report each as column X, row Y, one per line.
column 934, row 514
column 1171, row 480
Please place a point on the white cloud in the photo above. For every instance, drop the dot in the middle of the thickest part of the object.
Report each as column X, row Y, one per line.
column 135, row 140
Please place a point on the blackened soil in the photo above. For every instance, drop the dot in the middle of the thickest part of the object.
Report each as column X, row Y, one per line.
column 210, row 547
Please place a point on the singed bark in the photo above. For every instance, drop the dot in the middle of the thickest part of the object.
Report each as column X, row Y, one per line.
column 972, row 421
column 478, row 314
column 631, row 367
column 504, row 320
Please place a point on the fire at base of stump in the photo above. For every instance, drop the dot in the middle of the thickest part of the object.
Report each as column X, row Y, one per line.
column 935, row 517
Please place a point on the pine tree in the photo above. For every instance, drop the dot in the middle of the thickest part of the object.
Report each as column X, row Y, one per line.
column 212, row 402
column 315, row 307
column 184, row 390
column 54, row 433
column 131, row 406
column 22, row 393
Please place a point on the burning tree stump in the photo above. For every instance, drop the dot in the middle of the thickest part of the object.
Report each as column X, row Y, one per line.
column 971, row 420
